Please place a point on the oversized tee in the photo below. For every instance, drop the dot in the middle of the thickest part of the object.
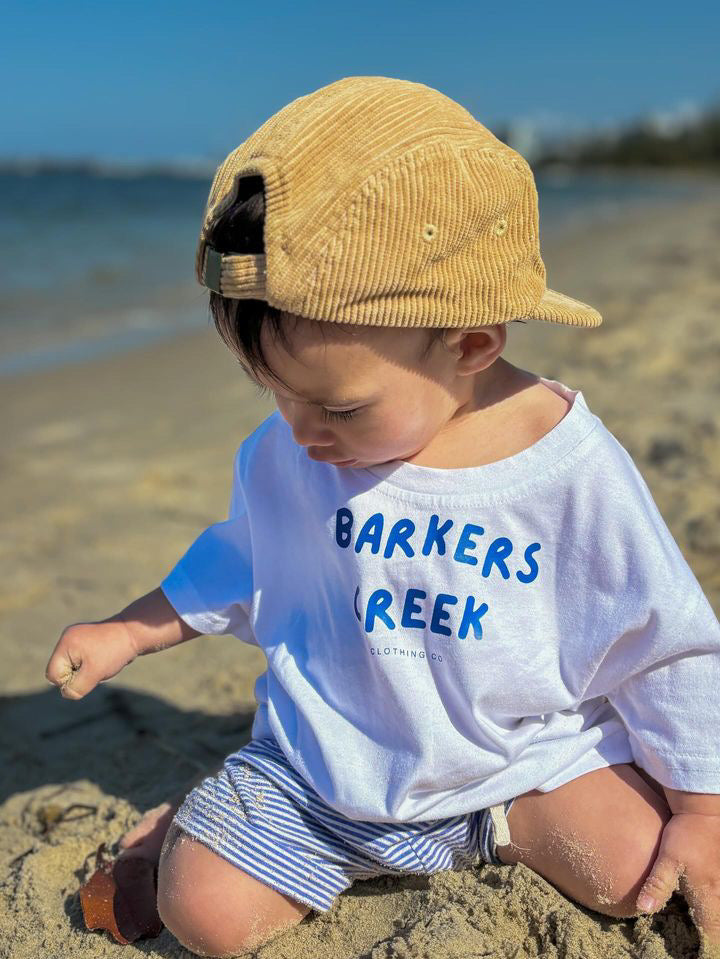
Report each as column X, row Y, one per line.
column 441, row 640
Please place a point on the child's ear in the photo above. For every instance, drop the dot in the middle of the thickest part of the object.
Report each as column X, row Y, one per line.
column 452, row 341
column 479, row 347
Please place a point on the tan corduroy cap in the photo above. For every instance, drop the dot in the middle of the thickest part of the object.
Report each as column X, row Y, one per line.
column 387, row 204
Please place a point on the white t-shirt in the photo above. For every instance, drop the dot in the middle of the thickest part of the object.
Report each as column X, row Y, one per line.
column 439, row 641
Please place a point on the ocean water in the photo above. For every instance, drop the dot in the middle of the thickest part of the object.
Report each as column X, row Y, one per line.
column 91, row 264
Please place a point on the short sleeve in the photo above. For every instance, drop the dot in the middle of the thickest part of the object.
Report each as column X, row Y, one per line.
column 649, row 639
column 669, row 699
column 211, row 587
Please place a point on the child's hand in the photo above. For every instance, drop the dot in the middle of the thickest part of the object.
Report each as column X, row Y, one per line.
column 88, row 653
column 689, row 854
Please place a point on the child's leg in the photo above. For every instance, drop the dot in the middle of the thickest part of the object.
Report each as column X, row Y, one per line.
column 595, row 838
column 214, row 908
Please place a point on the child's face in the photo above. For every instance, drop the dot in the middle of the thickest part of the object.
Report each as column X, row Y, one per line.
column 362, row 399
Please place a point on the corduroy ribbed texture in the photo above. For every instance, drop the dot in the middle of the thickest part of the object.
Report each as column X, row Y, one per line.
column 388, row 204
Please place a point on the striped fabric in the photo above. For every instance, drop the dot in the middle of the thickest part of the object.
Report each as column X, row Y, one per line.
column 260, row 815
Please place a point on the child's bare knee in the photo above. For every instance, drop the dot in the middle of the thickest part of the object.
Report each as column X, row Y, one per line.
column 207, row 931
column 214, row 908
column 193, row 930
column 186, row 902
column 186, row 912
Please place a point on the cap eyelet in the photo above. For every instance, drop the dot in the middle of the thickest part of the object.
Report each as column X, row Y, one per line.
column 501, row 226
column 429, row 232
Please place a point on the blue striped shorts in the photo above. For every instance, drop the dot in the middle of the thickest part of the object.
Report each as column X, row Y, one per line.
column 263, row 817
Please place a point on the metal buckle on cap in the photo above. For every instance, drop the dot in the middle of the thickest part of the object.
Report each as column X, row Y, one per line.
column 213, row 267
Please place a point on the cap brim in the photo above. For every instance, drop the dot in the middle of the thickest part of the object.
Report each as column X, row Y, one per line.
column 556, row 307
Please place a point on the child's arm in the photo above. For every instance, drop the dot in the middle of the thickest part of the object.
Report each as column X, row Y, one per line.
column 689, row 854
column 665, row 690
column 88, row 653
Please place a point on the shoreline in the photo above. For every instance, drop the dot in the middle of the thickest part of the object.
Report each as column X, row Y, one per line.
column 111, row 468
column 183, row 300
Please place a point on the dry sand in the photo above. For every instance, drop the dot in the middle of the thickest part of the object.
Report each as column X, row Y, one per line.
column 110, row 470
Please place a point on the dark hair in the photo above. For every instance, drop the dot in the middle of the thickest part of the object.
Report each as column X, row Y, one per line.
column 239, row 229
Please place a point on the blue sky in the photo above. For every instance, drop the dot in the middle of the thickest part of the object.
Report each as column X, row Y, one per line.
column 156, row 80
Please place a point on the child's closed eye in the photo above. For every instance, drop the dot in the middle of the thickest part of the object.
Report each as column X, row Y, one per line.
column 327, row 414
column 338, row 414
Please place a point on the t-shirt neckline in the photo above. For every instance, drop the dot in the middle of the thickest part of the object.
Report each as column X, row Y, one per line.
column 563, row 437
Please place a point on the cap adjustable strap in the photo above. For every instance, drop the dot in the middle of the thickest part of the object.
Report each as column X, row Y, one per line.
column 213, row 268
column 238, row 276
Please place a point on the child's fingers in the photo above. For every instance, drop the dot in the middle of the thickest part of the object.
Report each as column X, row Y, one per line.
column 131, row 839
column 69, row 668
column 662, row 880
column 73, row 689
column 72, row 678
column 147, row 824
column 61, row 667
column 703, row 899
column 87, row 654
column 136, row 835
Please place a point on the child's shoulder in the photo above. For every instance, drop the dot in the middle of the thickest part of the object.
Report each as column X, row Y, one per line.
column 263, row 442
column 548, row 408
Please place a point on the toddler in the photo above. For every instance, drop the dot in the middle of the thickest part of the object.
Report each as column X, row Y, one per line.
column 483, row 643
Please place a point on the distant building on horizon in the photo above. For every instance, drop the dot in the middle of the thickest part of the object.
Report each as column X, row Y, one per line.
column 524, row 136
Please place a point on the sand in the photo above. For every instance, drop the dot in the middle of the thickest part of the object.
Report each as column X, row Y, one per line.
column 110, row 470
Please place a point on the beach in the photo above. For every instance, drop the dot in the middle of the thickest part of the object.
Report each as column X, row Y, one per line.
column 110, row 469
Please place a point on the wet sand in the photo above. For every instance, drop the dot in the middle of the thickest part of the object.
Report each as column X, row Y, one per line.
column 109, row 470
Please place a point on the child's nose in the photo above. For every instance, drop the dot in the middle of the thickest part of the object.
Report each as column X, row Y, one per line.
column 307, row 425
